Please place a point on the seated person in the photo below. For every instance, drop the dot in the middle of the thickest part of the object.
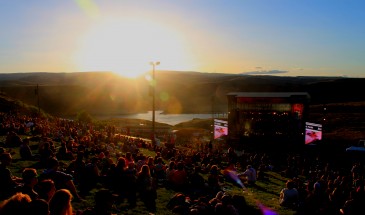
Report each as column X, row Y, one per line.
column 39, row 207
column 63, row 153
column 289, row 196
column 249, row 175
column 24, row 150
column 8, row 182
column 17, row 204
column 46, row 189
column 104, row 200
column 61, row 179
column 46, row 153
column 29, row 181
column 13, row 139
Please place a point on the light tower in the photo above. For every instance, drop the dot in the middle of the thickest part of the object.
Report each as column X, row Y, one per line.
column 154, row 64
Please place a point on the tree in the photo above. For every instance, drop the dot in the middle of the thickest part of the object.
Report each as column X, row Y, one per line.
column 84, row 117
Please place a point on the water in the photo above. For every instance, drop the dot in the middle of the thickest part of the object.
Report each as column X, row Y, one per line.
column 171, row 119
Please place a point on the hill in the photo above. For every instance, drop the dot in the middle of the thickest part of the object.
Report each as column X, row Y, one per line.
column 105, row 93
column 10, row 105
column 343, row 123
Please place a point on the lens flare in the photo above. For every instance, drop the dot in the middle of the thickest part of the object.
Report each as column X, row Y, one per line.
column 164, row 96
column 266, row 210
column 89, row 7
column 232, row 175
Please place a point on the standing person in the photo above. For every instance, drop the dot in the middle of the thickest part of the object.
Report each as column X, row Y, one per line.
column 91, row 175
column 232, row 156
column 170, row 172
column 147, row 188
column 180, row 177
column 131, row 181
column 128, row 158
column 118, row 177
column 77, row 168
column 46, row 154
column 160, row 170
column 210, row 147
column 60, row 203
column 213, row 179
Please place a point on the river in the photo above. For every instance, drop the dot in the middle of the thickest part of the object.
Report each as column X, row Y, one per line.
column 171, row 119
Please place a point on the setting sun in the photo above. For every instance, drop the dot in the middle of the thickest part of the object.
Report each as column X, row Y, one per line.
column 126, row 46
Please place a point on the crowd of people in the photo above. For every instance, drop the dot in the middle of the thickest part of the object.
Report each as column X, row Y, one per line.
column 73, row 158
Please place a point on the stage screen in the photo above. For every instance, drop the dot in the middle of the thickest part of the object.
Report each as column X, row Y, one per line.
column 220, row 128
column 313, row 132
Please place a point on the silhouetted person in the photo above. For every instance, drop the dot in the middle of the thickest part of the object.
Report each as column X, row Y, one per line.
column 147, row 188
column 30, row 179
column 46, row 189
column 39, row 207
column 8, row 182
column 104, row 201
column 60, row 203
column 25, row 151
column 61, row 179
column 17, row 204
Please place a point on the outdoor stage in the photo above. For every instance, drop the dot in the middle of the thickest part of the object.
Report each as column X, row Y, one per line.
column 267, row 119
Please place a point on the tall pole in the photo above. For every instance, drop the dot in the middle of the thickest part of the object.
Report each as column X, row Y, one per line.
column 213, row 118
column 37, row 94
column 154, row 64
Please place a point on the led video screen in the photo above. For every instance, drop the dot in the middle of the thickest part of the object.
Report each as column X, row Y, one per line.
column 313, row 132
column 220, row 128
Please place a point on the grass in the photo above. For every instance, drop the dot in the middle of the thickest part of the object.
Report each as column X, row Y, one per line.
column 265, row 192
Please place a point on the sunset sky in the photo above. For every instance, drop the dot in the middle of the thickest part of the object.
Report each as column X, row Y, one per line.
column 274, row 37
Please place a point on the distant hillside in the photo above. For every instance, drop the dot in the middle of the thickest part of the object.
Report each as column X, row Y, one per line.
column 176, row 92
column 343, row 123
column 10, row 105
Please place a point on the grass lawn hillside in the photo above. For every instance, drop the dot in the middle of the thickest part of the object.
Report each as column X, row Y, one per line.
column 265, row 192
column 345, row 125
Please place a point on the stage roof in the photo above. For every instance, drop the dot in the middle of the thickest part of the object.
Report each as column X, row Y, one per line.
column 268, row 94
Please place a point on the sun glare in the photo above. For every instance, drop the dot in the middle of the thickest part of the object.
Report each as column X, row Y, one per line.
column 126, row 46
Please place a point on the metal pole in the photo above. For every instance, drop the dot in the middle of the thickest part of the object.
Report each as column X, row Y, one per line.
column 153, row 104
column 213, row 118
column 154, row 64
column 37, row 92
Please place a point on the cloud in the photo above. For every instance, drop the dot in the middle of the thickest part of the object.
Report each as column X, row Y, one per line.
column 264, row 72
column 300, row 69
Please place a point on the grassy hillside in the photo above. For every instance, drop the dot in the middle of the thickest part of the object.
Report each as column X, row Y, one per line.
column 342, row 121
column 266, row 192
